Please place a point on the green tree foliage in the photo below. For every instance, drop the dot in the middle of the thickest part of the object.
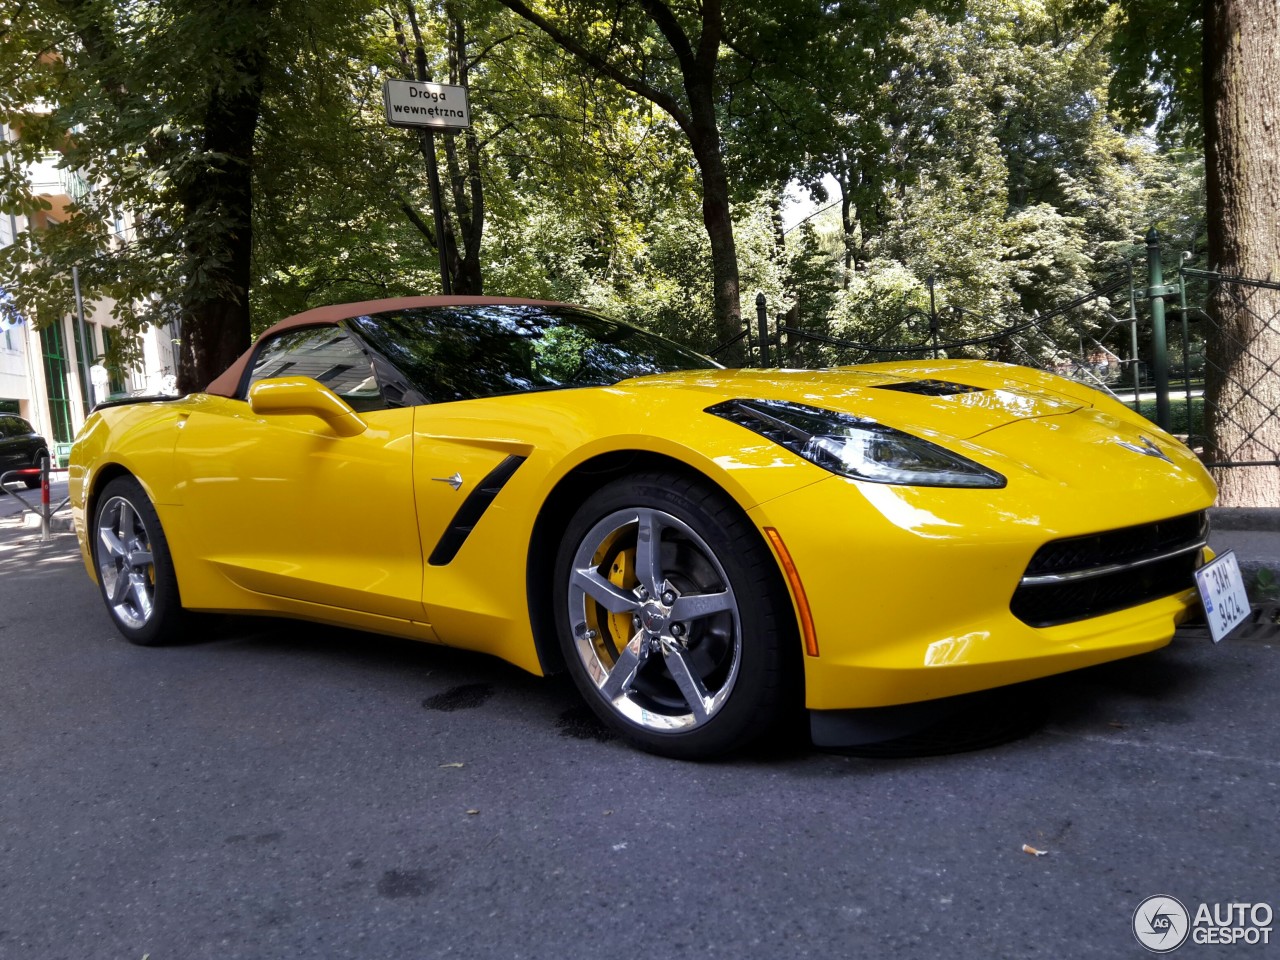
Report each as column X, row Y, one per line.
column 331, row 181
column 745, row 83
column 158, row 104
column 999, row 168
column 1157, row 49
column 974, row 146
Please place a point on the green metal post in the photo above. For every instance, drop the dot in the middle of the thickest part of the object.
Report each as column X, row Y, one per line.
column 1186, row 348
column 933, row 318
column 1159, row 338
column 1134, row 366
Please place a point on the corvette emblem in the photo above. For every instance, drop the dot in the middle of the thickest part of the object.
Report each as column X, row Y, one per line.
column 455, row 481
column 1148, row 449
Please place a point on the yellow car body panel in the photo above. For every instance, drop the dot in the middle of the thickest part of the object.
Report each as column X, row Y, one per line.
column 137, row 439
column 909, row 587
column 247, row 519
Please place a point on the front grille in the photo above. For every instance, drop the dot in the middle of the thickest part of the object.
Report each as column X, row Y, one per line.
column 1082, row 577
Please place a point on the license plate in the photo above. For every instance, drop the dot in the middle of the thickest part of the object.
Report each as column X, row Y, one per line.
column 1222, row 592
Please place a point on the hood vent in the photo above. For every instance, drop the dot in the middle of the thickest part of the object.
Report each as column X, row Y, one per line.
column 929, row 388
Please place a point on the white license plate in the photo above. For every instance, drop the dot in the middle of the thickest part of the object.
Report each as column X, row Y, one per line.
column 1222, row 592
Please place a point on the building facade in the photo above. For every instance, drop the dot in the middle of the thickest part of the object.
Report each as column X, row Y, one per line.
column 53, row 376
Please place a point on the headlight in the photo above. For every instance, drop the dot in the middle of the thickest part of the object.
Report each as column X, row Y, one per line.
column 856, row 447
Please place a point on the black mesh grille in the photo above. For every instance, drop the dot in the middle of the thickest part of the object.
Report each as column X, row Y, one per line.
column 1046, row 604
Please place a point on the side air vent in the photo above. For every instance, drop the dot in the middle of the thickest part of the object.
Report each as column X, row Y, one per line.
column 472, row 509
column 929, row 388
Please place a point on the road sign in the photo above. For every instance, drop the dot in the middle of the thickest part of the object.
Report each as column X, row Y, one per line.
column 416, row 103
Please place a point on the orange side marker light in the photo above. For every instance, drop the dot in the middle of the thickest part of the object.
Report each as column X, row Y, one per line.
column 797, row 591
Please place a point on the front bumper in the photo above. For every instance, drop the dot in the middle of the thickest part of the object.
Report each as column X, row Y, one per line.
column 910, row 588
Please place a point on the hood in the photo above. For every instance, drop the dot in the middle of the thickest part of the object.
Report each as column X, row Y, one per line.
column 960, row 399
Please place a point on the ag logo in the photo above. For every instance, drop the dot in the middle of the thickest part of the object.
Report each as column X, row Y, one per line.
column 1161, row 924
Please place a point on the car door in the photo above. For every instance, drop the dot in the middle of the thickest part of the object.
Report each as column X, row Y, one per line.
column 282, row 505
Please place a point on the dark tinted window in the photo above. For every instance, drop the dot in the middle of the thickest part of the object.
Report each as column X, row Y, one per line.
column 15, row 427
column 326, row 354
column 460, row 353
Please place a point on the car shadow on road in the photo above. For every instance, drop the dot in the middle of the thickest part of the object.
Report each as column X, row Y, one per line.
column 1147, row 688
column 450, row 680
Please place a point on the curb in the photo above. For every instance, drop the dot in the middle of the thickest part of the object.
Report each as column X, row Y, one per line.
column 58, row 523
column 1260, row 519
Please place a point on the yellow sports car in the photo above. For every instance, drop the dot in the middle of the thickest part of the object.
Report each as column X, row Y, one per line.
column 705, row 550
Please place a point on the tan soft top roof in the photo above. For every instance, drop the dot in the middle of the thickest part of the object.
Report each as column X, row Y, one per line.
column 228, row 383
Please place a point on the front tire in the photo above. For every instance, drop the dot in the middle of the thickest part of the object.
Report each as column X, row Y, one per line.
column 134, row 567
column 673, row 618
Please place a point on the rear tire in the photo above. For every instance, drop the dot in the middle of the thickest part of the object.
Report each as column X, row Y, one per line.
column 134, row 567
column 673, row 618
column 33, row 482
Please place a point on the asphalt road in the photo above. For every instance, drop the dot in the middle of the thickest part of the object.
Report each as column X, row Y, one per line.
column 288, row 791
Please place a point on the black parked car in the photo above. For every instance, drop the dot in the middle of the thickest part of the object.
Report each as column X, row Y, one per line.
column 20, row 446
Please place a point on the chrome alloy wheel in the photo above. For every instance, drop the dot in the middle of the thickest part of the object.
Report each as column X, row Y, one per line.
column 125, row 565
column 654, row 620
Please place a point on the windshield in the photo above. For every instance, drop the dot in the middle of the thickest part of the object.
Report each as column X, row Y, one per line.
column 466, row 352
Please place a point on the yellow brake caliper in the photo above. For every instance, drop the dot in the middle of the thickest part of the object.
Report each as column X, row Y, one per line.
column 622, row 574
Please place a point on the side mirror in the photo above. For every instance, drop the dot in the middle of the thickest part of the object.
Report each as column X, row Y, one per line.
column 302, row 395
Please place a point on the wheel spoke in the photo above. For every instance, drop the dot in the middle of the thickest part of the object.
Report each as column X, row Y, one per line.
column 612, row 598
column 141, row 596
column 128, row 520
column 120, row 589
column 139, row 559
column 696, row 605
column 691, row 688
column 114, row 545
column 649, row 552
column 625, row 667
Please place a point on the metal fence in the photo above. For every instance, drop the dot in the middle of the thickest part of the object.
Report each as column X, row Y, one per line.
column 1198, row 355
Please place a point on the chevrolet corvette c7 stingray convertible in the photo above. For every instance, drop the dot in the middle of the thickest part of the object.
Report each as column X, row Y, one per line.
column 705, row 550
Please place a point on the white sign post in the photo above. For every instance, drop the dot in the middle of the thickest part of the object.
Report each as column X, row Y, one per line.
column 418, row 103
column 429, row 107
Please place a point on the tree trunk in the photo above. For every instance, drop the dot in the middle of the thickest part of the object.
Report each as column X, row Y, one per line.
column 698, row 123
column 1242, row 148
column 846, row 229
column 704, row 139
column 466, row 186
column 217, row 202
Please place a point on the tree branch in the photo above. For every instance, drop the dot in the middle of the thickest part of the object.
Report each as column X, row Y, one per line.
column 416, row 220
column 666, row 22
column 603, row 66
